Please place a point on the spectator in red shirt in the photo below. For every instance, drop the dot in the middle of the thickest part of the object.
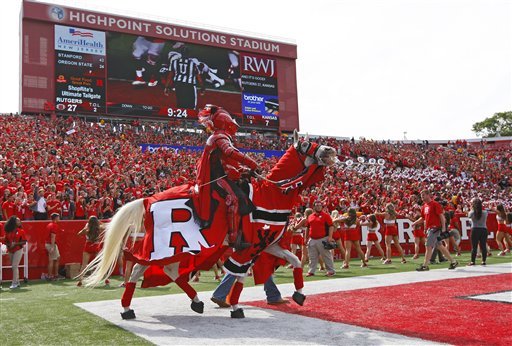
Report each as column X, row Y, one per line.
column 9, row 207
column 92, row 208
column 432, row 214
column 15, row 240
column 52, row 248
column 66, row 208
column 80, row 207
column 107, row 206
column 53, row 204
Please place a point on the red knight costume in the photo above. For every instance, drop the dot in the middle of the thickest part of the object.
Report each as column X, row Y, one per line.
column 221, row 166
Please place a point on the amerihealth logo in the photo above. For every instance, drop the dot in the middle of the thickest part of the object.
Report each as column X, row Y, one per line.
column 79, row 40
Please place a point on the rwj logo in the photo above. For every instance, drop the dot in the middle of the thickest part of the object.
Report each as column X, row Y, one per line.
column 57, row 13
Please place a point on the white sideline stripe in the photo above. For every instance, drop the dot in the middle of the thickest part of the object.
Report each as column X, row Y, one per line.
column 505, row 297
column 168, row 319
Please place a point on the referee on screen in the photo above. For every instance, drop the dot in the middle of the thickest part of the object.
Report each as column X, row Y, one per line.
column 184, row 75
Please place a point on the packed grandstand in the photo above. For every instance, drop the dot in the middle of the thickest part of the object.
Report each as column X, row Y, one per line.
column 91, row 168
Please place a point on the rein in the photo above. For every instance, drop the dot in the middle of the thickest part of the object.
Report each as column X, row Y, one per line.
column 213, row 181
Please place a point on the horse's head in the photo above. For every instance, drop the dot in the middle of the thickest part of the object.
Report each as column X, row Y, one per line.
column 301, row 155
column 312, row 152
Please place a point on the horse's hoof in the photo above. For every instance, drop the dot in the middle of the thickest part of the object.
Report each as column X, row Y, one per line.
column 128, row 315
column 197, row 307
column 299, row 298
column 238, row 313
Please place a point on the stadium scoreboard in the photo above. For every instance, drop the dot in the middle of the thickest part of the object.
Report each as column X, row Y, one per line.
column 81, row 62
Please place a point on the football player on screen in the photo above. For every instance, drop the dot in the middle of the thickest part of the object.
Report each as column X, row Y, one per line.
column 234, row 68
column 208, row 74
column 146, row 52
column 183, row 78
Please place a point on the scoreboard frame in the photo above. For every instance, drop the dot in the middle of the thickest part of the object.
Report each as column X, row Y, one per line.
column 264, row 64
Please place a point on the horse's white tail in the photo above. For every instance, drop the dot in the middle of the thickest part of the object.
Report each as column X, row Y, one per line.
column 127, row 219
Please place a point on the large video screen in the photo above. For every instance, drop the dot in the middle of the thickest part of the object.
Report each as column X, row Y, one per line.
column 121, row 74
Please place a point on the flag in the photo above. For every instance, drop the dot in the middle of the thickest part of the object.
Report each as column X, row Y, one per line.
column 75, row 32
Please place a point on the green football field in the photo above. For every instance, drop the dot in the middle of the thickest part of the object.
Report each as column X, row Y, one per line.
column 43, row 313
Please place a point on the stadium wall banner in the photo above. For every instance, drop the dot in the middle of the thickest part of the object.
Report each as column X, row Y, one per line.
column 71, row 245
column 405, row 230
column 155, row 147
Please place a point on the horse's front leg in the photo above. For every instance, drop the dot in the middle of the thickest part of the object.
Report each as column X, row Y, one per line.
column 298, row 278
column 238, row 265
column 172, row 270
column 236, row 291
column 129, row 289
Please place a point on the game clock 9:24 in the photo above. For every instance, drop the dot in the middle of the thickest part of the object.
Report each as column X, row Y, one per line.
column 180, row 113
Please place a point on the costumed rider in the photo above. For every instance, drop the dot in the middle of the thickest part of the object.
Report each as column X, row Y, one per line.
column 222, row 168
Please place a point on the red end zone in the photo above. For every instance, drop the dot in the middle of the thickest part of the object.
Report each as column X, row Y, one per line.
column 434, row 310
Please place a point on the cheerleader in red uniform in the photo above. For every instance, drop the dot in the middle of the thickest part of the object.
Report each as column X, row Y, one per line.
column 15, row 240
column 305, row 254
column 297, row 235
column 419, row 237
column 93, row 231
column 352, row 237
column 502, row 235
column 391, row 233
column 337, row 235
column 509, row 225
column 372, row 238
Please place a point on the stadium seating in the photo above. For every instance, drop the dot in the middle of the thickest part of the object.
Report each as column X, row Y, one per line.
column 101, row 164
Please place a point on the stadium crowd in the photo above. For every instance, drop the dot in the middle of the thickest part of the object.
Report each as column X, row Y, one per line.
column 69, row 168
column 81, row 169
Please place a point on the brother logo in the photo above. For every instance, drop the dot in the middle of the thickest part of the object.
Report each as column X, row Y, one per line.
column 253, row 98
column 152, row 149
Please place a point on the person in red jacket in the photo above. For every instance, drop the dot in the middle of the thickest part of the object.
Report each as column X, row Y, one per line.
column 320, row 231
column 432, row 215
column 15, row 240
column 220, row 168
column 52, row 248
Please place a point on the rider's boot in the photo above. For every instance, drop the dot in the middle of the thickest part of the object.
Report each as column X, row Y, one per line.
column 235, row 234
column 232, row 229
